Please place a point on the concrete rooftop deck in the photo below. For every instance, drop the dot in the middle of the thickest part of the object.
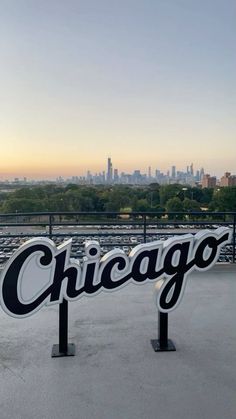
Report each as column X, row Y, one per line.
column 115, row 373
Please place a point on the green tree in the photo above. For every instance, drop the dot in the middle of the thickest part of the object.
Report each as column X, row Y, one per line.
column 13, row 205
column 141, row 205
column 169, row 191
column 191, row 205
column 174, row 205
column 224, row 199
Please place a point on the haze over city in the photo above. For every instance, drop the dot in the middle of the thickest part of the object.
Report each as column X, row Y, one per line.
column 150, row 83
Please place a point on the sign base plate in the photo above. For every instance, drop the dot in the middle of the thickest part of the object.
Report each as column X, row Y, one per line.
column 57, row 354
column 160, row 348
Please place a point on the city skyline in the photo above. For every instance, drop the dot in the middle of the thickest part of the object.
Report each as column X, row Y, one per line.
column 100, row 167
column 111, row 174
column 151, row 83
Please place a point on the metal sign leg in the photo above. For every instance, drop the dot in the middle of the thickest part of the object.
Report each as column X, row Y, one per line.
column 63, row 348
column 162, row 344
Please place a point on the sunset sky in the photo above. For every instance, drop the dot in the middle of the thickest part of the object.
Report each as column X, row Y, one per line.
column 147, row 82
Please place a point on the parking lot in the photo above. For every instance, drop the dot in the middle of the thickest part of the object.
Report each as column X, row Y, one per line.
column 109, row 237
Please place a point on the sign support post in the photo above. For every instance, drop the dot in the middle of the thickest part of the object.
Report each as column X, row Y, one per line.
column 63, row 348
column 162, row 344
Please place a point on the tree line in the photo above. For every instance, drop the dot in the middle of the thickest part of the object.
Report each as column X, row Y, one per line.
column 151, row 198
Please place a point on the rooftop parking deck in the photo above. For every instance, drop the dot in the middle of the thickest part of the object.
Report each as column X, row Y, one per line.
column 115, row 373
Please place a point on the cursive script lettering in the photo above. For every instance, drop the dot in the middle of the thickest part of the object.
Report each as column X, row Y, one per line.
column 169, row 261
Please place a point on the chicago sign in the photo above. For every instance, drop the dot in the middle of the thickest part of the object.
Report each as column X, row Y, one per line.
column 41, row 274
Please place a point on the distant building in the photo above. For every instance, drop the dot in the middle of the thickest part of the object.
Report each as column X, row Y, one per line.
column 173, row 172
column 149, row 172
column 89, row 177
column 198, row 175
column 116, row 175
column 208, row 181
column 109, row 171
column 201, row 173
column 191, row 169
column 228, row 180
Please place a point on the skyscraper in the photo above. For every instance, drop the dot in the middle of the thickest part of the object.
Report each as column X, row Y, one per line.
column 173, row 172
column 201, row 173
column 109, row 170
column 116, row 175
column 149, row 172
column 191, row 169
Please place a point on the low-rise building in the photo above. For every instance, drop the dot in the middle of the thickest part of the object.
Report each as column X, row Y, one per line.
column 228, row 180
column 208, row 181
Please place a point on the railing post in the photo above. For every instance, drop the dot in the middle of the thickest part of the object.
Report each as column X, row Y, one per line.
column 144, row 228
column 50, row 226
column 234, row 238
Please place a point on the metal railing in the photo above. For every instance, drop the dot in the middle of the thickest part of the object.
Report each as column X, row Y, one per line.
column 111, row 229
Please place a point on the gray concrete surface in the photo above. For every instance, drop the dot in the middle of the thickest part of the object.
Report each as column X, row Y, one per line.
column 115, row 373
